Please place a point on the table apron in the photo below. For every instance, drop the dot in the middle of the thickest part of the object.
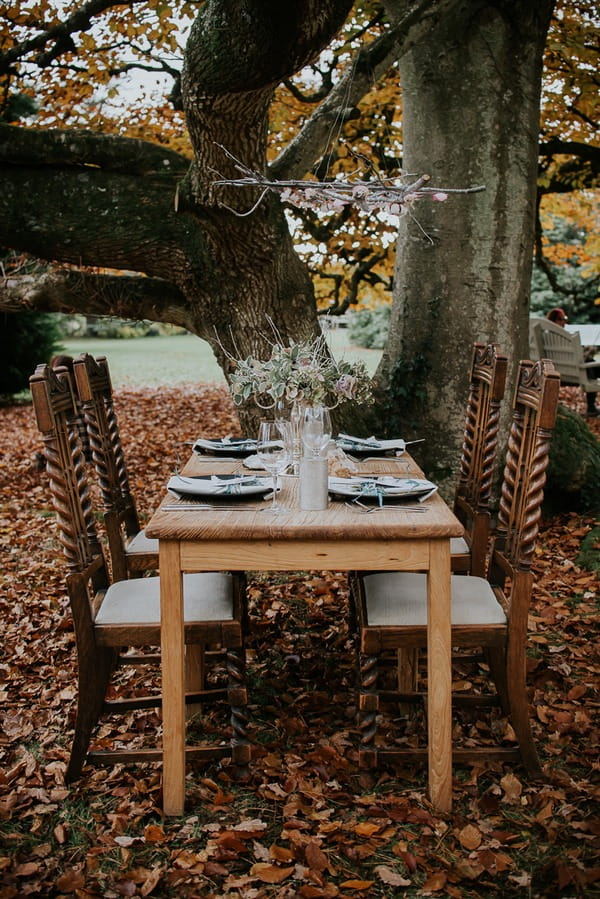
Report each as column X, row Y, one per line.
column 289, row 555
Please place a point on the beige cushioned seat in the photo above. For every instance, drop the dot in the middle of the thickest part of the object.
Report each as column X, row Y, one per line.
column 458, row 546
column 142, row 544
column 400, row 598
column 206, row 597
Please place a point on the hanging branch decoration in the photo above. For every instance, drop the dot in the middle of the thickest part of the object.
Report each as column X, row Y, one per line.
column 331, row 196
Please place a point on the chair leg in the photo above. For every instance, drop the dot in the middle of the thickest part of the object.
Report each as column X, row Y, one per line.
column 237, row 696
column 195, row 674
column 408, row 666
column 352, row 603
column 368, row 706
column 496, row 659
column 519, row 711
column 94, row 677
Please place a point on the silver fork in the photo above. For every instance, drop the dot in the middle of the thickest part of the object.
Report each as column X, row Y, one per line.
column 363, row 509
column 188, row 507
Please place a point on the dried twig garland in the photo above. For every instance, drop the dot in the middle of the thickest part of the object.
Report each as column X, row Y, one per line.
column 331, row 196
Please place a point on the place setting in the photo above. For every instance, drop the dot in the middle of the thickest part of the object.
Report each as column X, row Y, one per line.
column 381, row 492
column 364, row 448
column 224, row 449
column 223, row 491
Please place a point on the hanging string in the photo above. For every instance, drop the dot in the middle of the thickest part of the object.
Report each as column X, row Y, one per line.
column 335, row 132
column 378, row 195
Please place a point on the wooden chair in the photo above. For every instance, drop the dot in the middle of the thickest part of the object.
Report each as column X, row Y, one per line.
column 486, row 612
column 108, row 616
column 468, row 554
column 131, row 552
column 478, row 458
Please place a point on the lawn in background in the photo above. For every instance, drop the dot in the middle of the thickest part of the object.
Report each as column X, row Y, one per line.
column 155, row 361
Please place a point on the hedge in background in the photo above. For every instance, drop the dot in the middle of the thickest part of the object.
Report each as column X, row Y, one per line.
column 26, row 339
column 574, row 469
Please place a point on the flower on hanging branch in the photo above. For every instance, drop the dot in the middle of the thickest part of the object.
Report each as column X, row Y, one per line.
column 301, row 371
column 378, row 195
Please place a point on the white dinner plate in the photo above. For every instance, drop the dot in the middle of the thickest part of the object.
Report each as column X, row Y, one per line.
column 225, row 486
column 381, row 488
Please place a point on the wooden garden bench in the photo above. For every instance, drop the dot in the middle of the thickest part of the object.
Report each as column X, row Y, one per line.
column 564, row 349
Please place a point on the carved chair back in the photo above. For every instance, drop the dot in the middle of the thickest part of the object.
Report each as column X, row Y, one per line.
column 534, row 416
column 131, row 552
column 94, row 388
column 479, row 450
column 57, row 414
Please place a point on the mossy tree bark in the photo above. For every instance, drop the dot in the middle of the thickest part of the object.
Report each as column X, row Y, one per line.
column 463, row 266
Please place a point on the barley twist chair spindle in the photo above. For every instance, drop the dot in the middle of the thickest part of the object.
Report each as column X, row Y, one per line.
column 478, row 458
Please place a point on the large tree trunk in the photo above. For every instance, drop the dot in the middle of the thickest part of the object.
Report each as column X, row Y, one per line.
column 463, row 267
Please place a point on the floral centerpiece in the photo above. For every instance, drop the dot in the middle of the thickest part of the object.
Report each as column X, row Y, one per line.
column 300, row 372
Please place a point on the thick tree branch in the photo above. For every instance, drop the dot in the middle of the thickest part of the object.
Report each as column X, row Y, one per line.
column 85, row 216
column 237, row 53
column 24, row 146
column 373, row 60
column 557, row 147
column 89, row 293
column 247, row 45
column 87, row 205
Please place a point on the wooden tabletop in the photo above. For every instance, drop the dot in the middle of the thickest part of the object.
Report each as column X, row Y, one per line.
column 252, row 520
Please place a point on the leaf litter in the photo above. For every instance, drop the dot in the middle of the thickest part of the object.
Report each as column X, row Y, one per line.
column 308, row 823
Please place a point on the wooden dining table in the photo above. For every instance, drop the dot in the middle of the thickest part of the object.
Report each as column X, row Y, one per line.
column 248, row 536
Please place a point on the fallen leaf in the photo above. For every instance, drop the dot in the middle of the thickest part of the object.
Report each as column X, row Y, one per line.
column 391, row 877
column 470, row 837
column 512, row 787
column 435, row 882
column 270, row 873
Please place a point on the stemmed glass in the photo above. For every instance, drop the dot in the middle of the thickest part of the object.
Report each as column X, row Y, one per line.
column 316, row 429
column 273, row 450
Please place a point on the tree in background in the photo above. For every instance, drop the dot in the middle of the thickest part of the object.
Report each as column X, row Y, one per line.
column 313, row 90
column 567, row 259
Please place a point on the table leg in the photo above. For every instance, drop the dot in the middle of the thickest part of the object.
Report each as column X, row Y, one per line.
column 439, row 676
column 173, row 677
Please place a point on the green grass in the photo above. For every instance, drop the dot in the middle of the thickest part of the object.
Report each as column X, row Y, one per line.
column 153, row 361
column 156, row 361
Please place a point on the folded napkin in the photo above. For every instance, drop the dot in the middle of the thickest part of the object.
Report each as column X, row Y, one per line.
column 372, row 443
column 232, row 485
column 232, row 444
column 254, row 463
column 381, row 487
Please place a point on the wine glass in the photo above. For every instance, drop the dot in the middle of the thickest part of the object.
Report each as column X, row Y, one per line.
column 273, row 450
column 316, row 429
column 296, row 419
